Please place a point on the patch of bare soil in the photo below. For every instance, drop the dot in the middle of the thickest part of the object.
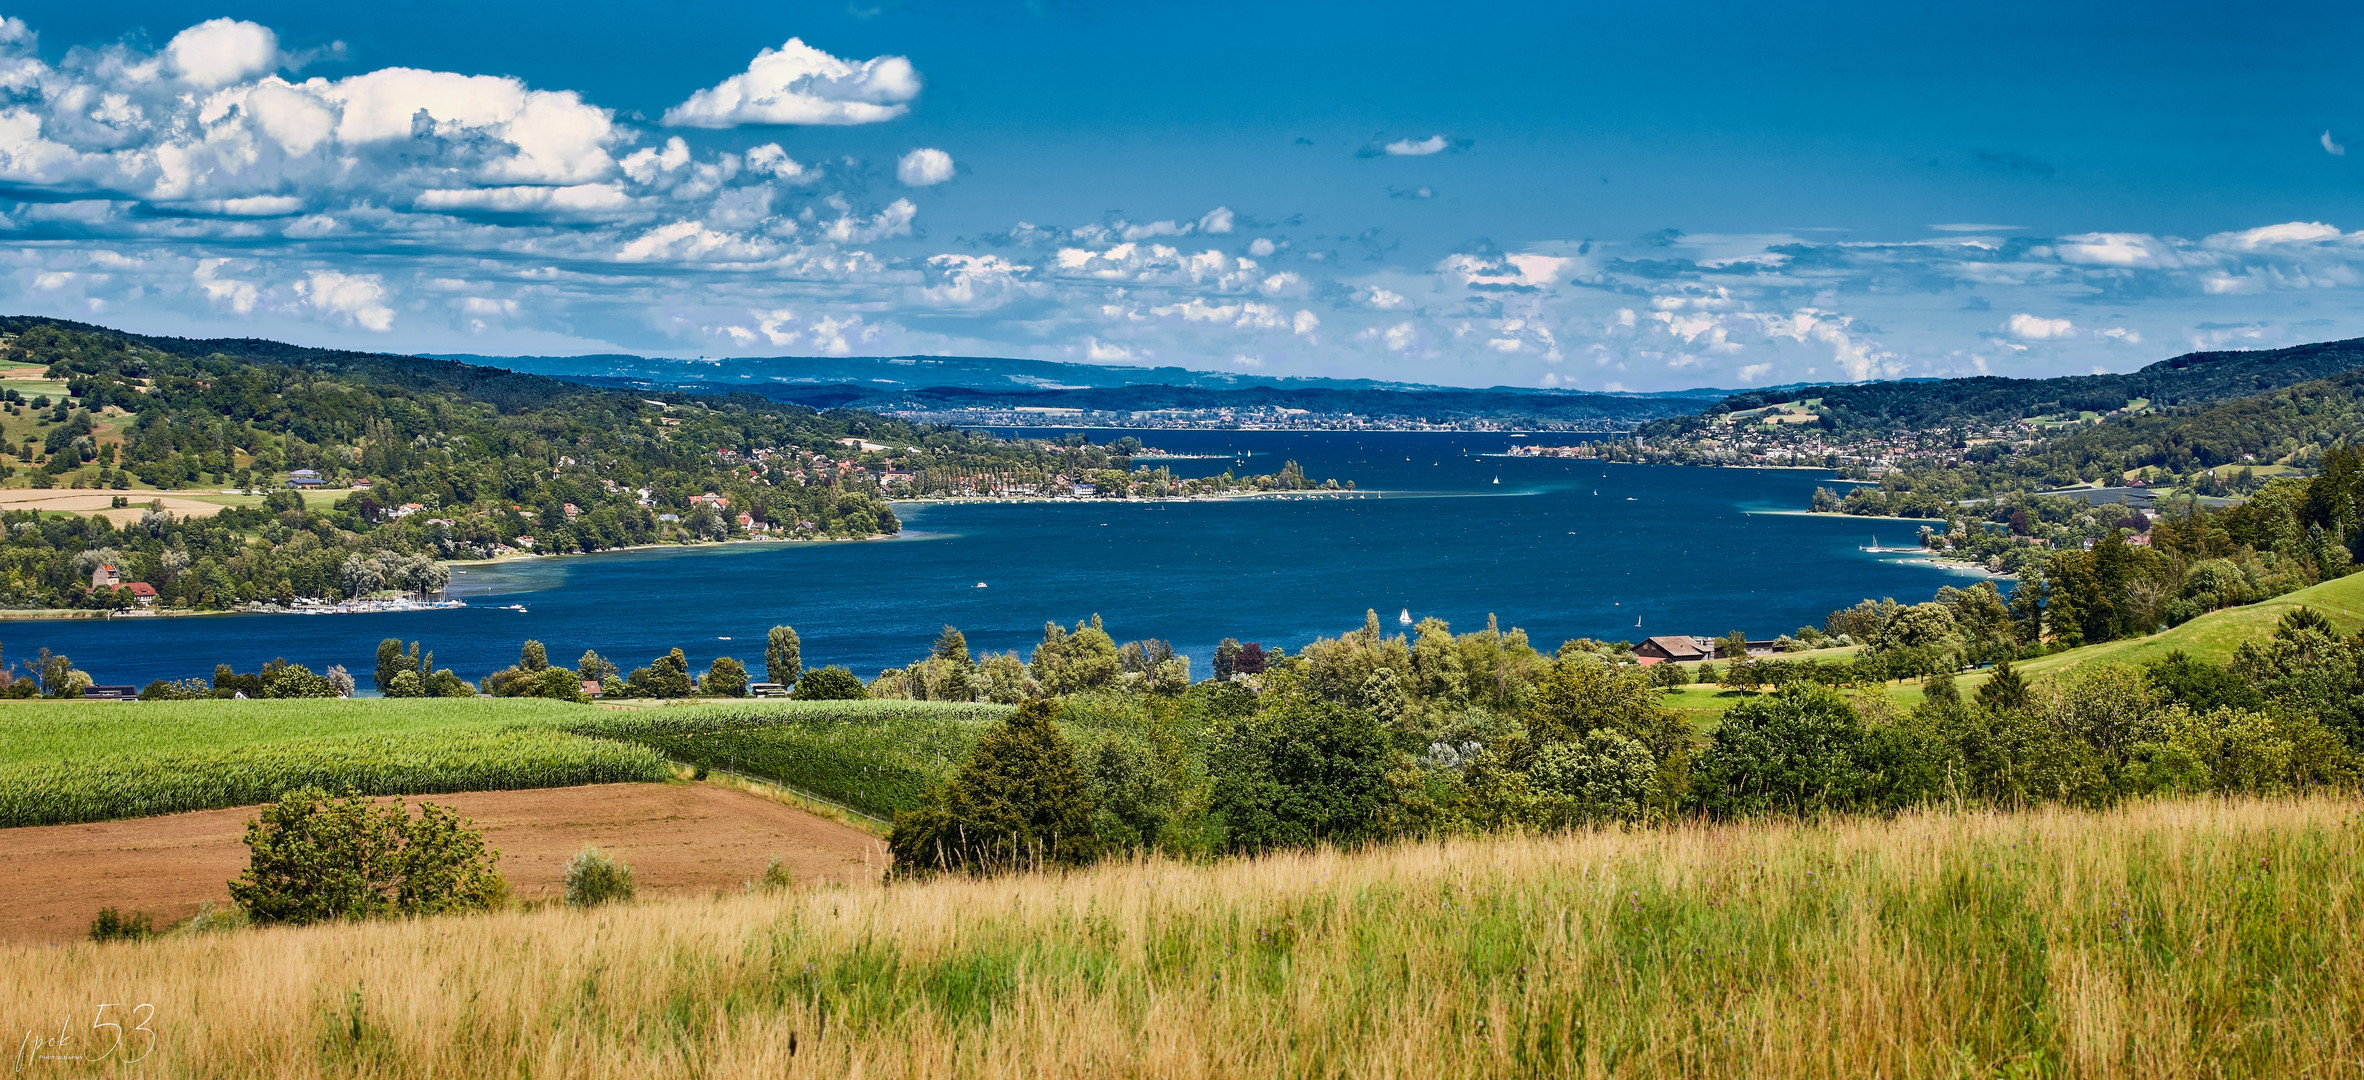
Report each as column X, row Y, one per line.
column 678, row 838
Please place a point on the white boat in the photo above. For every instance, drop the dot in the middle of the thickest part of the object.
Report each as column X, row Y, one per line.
column 980, row 584
column 1404, row 617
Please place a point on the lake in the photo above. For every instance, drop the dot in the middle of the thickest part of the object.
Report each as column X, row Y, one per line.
column 1562, row 548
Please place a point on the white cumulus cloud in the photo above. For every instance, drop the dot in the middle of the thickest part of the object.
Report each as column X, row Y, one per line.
column 923, row 167
column 799, row 84
column 2035, row 328
column 355, row 299
column 220, row 51
column 1434, row 144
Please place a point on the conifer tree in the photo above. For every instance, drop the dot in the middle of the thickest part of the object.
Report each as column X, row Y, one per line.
column 1019, row 802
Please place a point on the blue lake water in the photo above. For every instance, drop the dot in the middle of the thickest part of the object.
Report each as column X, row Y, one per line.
column 1563, row 548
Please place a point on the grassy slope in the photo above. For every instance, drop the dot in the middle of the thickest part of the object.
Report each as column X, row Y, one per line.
column 2204, row 939
column 2215, row 635
column 2212, row 637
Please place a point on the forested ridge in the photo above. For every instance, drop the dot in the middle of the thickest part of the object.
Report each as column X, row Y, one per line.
column 2193, row 379
column 425, row 460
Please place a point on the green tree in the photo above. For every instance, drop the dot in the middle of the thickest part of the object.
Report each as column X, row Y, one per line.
column 558, row 684
column 1733, row 646
column 726, row 677
column 1071, row 663
column 1019, row 801
column 2004, row 690
column 391, row 661
column 666, row 676
column 595, row 667
column 1298, row 772
column 783, row 656
column 1793, row 752
column 1602, row 777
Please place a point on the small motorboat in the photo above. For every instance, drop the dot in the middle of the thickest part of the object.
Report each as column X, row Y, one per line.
column 980, row 584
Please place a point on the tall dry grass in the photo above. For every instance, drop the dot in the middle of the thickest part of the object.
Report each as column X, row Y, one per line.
column 2159, row 940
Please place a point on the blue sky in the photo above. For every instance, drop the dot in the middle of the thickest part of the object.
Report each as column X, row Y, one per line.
column 1633, row 197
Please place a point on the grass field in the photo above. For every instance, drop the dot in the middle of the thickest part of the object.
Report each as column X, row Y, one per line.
column 2204, row 939
column 64, row 762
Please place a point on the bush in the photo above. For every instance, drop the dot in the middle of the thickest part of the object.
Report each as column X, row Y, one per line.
column 315, row 860
column 776, row 878
column 831, row 683
column 113, row 925
column 593, row 878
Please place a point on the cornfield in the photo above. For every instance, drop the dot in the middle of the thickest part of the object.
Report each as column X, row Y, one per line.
column 875, row 756
column 138, row 784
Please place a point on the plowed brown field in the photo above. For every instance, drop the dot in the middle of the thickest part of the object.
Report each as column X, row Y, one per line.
column 678, row 838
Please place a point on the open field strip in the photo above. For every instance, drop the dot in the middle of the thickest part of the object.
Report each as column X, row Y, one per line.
column 2182, row 939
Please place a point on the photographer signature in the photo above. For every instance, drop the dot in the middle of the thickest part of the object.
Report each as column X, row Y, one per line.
column 108, row 1038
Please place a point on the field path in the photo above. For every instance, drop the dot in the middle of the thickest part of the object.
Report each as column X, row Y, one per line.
column 679, row 839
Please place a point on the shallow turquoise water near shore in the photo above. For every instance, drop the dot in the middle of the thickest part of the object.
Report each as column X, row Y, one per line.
column 1562, row 548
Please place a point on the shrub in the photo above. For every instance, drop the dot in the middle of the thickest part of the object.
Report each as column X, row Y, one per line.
column 315, row 859
column 113, row 925
column 593, row 878
column 776, row 878
column 831, row 683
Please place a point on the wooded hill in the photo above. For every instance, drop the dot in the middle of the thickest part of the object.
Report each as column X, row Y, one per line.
column 2193, row 379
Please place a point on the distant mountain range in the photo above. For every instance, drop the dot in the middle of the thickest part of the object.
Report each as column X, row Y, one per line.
column 962, row 385
column 958, row 384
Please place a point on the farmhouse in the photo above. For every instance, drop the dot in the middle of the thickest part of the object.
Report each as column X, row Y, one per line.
column 1680, row 648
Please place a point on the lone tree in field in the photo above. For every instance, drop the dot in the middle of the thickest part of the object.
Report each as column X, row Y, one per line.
column 1019, row 801
column 783, row 656
column 315, row 859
